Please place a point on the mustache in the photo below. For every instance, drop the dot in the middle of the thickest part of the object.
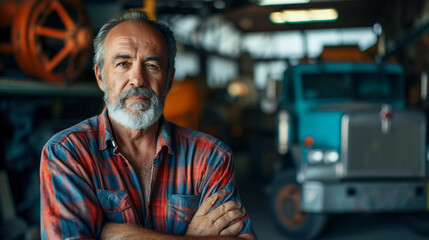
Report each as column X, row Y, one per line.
column 137, row 92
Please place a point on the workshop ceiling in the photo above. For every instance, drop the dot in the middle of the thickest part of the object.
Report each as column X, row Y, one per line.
column 212, row 24
column 248, row 16
column 351, row 13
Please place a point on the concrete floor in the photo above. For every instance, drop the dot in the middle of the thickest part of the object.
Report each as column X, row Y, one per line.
column 340, row 226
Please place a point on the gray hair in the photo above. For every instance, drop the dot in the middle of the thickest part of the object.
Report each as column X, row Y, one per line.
column 133, row 15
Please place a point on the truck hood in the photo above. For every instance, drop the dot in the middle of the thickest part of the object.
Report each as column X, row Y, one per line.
column 323, row 123
column 323, row 126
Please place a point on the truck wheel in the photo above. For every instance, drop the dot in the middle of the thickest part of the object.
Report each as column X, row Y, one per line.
column 418, row 222
column 285, row 205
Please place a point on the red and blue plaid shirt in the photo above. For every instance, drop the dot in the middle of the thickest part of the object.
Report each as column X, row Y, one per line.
column 86, row 182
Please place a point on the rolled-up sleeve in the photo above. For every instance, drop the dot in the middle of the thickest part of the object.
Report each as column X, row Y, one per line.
column 69, row 205
column 220, row 176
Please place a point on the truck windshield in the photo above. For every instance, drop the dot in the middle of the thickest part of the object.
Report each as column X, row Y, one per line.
column 354, row 86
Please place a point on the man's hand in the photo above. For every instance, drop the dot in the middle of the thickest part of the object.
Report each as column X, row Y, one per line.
column 215, row 222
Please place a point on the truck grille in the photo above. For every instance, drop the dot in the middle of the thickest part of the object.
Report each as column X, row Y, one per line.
column 368, row 152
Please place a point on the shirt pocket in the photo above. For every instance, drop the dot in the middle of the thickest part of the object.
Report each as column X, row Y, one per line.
column 117, row 206
column 181, row 211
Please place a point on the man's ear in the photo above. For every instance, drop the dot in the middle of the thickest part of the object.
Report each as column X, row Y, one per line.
column 97, row 72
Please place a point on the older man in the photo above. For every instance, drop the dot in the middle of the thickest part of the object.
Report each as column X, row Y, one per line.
column 128, row 173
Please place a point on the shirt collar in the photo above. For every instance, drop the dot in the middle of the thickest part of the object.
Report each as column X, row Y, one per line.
column 164, row 137
column 106, row 136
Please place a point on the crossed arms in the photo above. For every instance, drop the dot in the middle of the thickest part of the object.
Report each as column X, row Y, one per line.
column 211, row 225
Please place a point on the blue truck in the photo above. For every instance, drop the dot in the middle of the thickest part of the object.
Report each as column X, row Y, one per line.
column 351, row 146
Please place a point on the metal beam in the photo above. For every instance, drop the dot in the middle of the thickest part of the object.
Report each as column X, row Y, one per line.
column 405, row 41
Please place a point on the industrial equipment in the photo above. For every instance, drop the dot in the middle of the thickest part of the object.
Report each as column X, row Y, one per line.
column 50, row 39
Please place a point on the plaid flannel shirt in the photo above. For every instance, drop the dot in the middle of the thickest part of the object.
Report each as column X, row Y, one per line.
column 86, row 182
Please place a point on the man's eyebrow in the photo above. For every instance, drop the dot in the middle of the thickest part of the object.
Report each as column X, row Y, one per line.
column 153, row 58
column 121, row 56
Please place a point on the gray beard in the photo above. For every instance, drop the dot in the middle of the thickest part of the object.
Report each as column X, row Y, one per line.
column 142, row 115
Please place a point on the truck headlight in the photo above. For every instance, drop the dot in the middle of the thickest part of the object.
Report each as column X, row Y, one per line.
column 315, row 156
column 331, row 156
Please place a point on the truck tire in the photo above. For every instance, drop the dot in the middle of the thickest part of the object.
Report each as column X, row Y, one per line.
column 285, row 206
column 418, row 222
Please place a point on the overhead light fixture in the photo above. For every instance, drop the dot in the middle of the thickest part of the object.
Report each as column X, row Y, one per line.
column 281, row 2
column 300, row 16
column 238, row 89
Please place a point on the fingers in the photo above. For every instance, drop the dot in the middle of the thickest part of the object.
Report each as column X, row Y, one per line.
column 226, row 209
column 233, row 230
column 220, row 220
column 228, row 217
column 209, row 202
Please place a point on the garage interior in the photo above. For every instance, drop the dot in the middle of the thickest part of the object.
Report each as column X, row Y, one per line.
column 230, row 70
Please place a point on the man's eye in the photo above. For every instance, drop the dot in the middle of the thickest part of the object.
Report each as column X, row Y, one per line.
column 123, row 64
column 152, row 66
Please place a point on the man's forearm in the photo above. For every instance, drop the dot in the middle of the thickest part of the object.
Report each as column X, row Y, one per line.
column 116, row 231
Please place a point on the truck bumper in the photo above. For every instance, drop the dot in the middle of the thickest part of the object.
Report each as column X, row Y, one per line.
column 343, row 197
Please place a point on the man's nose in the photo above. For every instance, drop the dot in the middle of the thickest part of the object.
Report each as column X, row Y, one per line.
column 137, row 78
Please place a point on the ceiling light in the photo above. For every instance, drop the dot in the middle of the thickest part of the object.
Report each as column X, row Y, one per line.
column 277, row 17
column 281, row 2
column 299, row 16
column 238, row 89
column 245, row 23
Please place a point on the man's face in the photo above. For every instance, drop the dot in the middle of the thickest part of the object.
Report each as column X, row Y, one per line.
column 135, row 74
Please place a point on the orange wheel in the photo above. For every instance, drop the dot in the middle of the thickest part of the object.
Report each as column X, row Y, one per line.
column 288, row 205
column 52, row 39
column 285, row 205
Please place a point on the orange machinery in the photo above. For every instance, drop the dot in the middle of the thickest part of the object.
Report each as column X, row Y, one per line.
column 183, row 104
column 50, row 39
